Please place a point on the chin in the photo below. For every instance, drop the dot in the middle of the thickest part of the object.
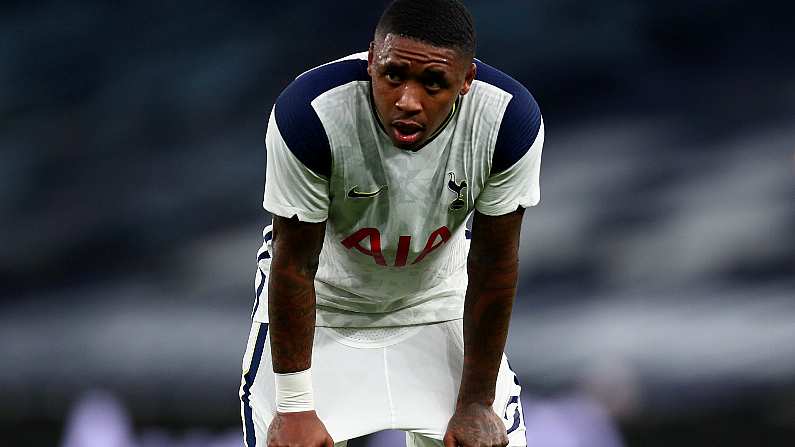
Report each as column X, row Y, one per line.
column 406, row 146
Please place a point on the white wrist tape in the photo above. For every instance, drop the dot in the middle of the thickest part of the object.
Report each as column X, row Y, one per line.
column 294, row 392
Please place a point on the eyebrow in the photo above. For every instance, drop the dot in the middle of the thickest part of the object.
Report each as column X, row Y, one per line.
column 395, row 64
column 435, row 72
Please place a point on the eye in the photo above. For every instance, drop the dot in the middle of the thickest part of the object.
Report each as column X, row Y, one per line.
column 433, row 85
column 392, row 77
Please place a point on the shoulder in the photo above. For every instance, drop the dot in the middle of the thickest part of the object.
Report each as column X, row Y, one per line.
column 297, row 120
column 313, row 83
column 521, row 121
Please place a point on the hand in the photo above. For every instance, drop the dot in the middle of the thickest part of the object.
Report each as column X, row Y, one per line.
column 475, row 425
column 300, row 429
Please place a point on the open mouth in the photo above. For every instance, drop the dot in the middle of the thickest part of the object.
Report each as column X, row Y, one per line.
column 407, row 133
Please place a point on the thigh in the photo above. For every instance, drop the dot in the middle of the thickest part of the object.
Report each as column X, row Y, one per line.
column 418, row 440
column 425, row 375
column 349, row 387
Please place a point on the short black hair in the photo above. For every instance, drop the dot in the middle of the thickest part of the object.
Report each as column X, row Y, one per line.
column 441, row 23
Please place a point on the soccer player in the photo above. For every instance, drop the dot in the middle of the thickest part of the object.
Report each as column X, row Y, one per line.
column 376, row 308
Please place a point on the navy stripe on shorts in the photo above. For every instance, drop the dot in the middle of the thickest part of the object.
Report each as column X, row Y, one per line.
column 248, row 379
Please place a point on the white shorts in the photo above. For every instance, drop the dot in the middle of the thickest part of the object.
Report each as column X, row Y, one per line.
column 368, row 380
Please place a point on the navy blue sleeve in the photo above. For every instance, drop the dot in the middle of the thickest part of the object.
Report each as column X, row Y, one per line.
column 520, row 123
column 298, row 123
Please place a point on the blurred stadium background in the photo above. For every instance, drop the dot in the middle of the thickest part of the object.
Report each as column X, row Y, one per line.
column 657, row 296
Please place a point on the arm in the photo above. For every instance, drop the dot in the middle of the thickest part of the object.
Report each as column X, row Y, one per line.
column 291, row 311
column 291, row 292
column 492, row 267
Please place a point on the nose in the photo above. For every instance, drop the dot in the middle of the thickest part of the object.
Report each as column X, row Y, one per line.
column 410, row 97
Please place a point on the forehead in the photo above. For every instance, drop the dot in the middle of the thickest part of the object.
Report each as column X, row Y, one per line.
column 394, row 49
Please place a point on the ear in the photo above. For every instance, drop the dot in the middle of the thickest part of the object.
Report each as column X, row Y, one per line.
column 370, row 58
column 469, row 78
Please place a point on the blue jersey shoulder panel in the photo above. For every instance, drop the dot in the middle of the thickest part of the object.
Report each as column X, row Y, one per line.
column 297, row 121
column 520, row 123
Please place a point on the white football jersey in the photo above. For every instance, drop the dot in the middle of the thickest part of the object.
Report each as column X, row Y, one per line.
column 396, row 242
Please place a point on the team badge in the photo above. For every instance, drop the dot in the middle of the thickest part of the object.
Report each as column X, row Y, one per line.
column 459, row 189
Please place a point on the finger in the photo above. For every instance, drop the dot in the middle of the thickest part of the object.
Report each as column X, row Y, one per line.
column 449, row 440
column 329, row 442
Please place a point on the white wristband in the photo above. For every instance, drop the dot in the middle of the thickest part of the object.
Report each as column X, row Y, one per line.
column 294, row 392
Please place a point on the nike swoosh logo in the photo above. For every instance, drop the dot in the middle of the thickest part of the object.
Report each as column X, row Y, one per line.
column 354, row 194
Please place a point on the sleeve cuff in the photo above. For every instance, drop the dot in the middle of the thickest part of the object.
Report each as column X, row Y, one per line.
column 288, row 212
column 504, row 209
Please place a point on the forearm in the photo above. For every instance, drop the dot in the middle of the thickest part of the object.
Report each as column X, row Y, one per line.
column 492, row 267
column 487, row 313
column 291, row 312
column 291, row 299
column 291, row 292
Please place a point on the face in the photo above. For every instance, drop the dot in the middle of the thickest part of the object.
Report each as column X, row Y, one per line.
column 415, row 86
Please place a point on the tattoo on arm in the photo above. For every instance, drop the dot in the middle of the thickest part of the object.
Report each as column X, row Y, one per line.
column 291, row 292
column 492, row 267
